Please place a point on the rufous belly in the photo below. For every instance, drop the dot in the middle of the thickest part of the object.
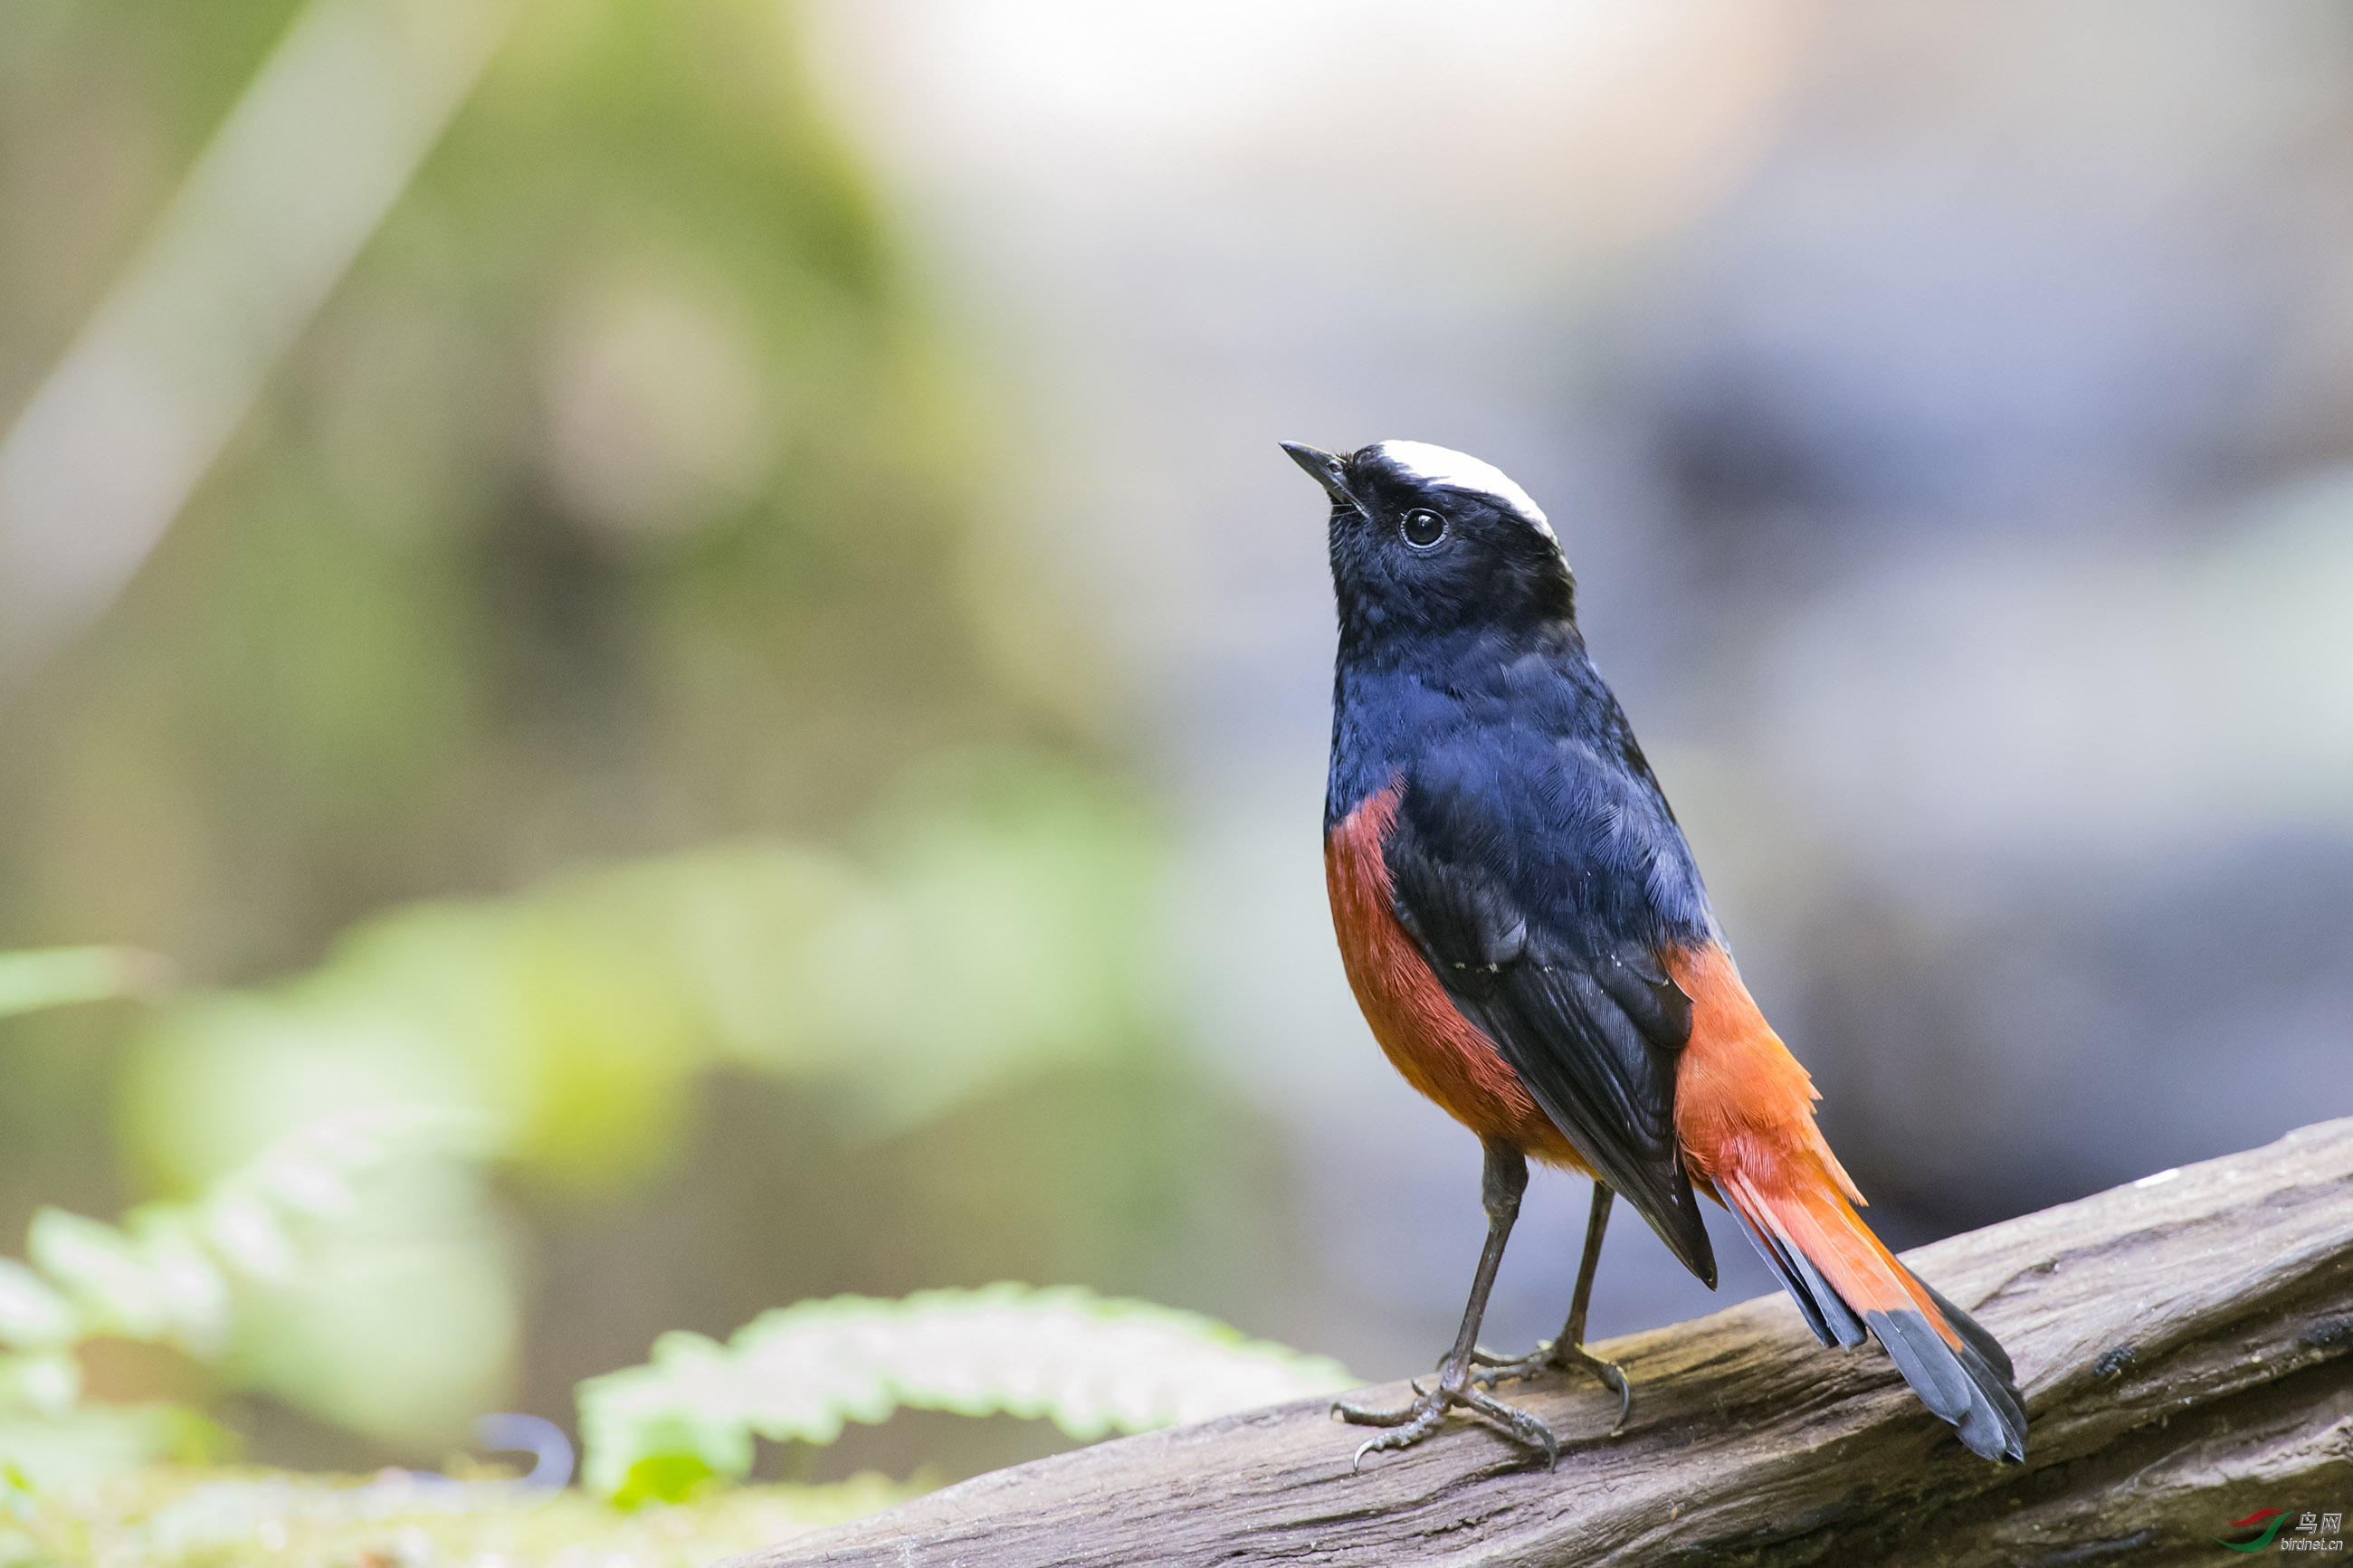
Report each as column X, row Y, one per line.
column 1426, row 1037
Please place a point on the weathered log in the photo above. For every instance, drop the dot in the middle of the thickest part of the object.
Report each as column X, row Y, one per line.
column 2185, row 1344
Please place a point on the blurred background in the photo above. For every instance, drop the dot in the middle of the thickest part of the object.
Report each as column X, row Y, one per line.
column 709, row 582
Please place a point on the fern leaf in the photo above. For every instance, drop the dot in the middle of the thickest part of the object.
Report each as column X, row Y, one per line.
column 1091, row 1364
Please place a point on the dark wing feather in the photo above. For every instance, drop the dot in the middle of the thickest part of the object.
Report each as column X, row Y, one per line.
column 1486, row 865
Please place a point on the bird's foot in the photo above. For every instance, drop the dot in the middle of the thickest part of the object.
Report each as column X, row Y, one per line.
column 1413, row 1422
column 1487, row 1370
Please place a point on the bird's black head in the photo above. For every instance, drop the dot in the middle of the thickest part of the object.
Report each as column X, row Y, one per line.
column 1428, row 541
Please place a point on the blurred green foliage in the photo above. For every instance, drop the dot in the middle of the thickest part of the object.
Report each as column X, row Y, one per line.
column 53, row 977
column 991, row 919
column 615, row 511
column 338, row 1267
column 614, row 502
column 572, row 704
column 991, row 927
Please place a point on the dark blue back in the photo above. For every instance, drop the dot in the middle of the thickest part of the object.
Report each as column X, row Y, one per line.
column 1516, row 757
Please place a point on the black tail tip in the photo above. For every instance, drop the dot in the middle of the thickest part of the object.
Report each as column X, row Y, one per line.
column 1962, row 1385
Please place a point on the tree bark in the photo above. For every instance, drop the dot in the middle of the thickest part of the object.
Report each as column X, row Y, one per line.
column 2185, row 1344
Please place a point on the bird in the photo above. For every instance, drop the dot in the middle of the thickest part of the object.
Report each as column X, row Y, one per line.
column 1527, row 935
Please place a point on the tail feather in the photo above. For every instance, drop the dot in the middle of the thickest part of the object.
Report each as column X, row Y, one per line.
column 1845, row 1282
column 1744, row 1115
column 1985, row 1344
column 1830, row 1318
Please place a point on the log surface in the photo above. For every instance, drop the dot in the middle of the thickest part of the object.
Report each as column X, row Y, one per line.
column 2185, row 1344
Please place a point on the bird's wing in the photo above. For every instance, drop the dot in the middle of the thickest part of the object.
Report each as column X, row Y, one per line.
column 1514, row 874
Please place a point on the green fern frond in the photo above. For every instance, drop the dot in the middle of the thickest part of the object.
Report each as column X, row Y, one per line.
column 1090, row 1364
column 169, row 1271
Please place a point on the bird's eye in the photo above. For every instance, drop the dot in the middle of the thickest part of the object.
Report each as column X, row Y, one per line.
column 1423, row 528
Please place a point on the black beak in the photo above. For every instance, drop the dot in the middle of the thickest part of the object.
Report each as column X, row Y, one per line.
column 1325, row 469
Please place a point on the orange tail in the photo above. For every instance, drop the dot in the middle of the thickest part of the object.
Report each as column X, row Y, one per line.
column 1744, row 1111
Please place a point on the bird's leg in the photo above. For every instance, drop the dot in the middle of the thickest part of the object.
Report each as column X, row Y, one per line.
column 1569, row 1349
column 1506, row 1178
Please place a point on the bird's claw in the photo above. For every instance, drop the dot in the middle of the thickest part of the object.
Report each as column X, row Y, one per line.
column 1487, row 1370
column 1362, row 1416
column 1413, row 1422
